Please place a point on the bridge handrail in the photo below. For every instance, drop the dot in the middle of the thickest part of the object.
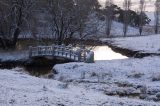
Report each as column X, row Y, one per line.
column 70, row 52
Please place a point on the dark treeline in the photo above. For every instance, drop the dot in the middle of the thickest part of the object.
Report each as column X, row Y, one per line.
column 126, row 16
column 62, row 19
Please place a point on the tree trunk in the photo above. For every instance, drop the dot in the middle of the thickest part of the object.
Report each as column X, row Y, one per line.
column 15, row 37
column 3, row 44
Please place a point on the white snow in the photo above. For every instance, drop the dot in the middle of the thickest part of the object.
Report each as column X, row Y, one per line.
column 18, row 89
column 117, row 29
column 115, row 76
column 145, row 44
column 13, row 55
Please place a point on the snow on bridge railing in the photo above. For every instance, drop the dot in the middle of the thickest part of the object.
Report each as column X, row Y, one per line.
column 76, row 54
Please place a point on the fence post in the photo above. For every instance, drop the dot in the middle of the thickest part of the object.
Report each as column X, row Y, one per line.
column 53, row 50
column 30, row 51
column 62, row 46
column 70, row 53
column 84, row 55
column 79, row 51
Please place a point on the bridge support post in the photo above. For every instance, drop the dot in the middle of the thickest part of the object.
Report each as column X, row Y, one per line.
column 79, row 57
column 63, row 48
column 90, row 57
column 79, row 54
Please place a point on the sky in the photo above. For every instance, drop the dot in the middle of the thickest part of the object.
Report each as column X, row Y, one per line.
column 149, row 9
column 135, row 4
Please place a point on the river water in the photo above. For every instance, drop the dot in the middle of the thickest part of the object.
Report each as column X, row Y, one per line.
column 100, row 53
column 106, row 53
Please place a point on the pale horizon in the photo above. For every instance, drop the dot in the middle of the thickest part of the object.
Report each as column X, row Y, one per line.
column 149, row 4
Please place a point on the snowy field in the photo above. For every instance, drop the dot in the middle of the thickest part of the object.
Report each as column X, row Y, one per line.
column 137, row 79
column 144, row 44
column 117, row 30
column 19, row 89
column 119, row 82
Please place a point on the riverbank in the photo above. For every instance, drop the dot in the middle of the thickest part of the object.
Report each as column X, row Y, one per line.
column 139, row 47
column 132, row 78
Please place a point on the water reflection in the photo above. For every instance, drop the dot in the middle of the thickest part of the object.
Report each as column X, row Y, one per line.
column 106, row 53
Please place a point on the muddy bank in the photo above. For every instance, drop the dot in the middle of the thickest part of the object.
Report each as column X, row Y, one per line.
column 123, row 51
column 128, row 52
column 39, row 66
column 33, row 62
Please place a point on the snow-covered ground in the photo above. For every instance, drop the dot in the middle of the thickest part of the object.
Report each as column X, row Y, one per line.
column 117, row 30
column 123, row 82
column 144, row 44
column 133, row 78
column 13, row 55
column 18, row 89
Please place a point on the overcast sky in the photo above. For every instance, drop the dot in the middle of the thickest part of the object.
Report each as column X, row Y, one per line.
column 135, row 4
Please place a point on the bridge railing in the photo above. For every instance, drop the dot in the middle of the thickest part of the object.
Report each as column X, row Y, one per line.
column 69, row 52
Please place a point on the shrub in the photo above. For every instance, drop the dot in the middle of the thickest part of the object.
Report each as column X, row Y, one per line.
column 136, row 74
column 156, row 77
column 93, row 74
column 61, row 78
column 63, row 85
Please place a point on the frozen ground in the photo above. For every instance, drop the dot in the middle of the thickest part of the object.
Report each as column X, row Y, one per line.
column 116, row 29
column 145, row 44
column 134, row 78
column 18, row 89
column 13, row 55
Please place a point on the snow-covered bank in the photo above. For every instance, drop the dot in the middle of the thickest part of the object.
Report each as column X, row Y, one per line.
column 138, row 78
column 144, row 44
column 18, row 89
column 13, row 55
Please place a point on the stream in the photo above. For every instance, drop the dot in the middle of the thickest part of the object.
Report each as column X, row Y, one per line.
column 43, row 69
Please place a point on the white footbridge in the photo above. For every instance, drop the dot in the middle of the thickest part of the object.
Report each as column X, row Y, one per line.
column 77, row 54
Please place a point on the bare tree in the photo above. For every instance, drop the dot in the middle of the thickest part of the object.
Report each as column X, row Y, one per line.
column 15, row 14
column 62, row 16
column 126, row 5
column 157, row 16
column 141, row 14
column 86, row 21
column 108, row 16
column 69, row 17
